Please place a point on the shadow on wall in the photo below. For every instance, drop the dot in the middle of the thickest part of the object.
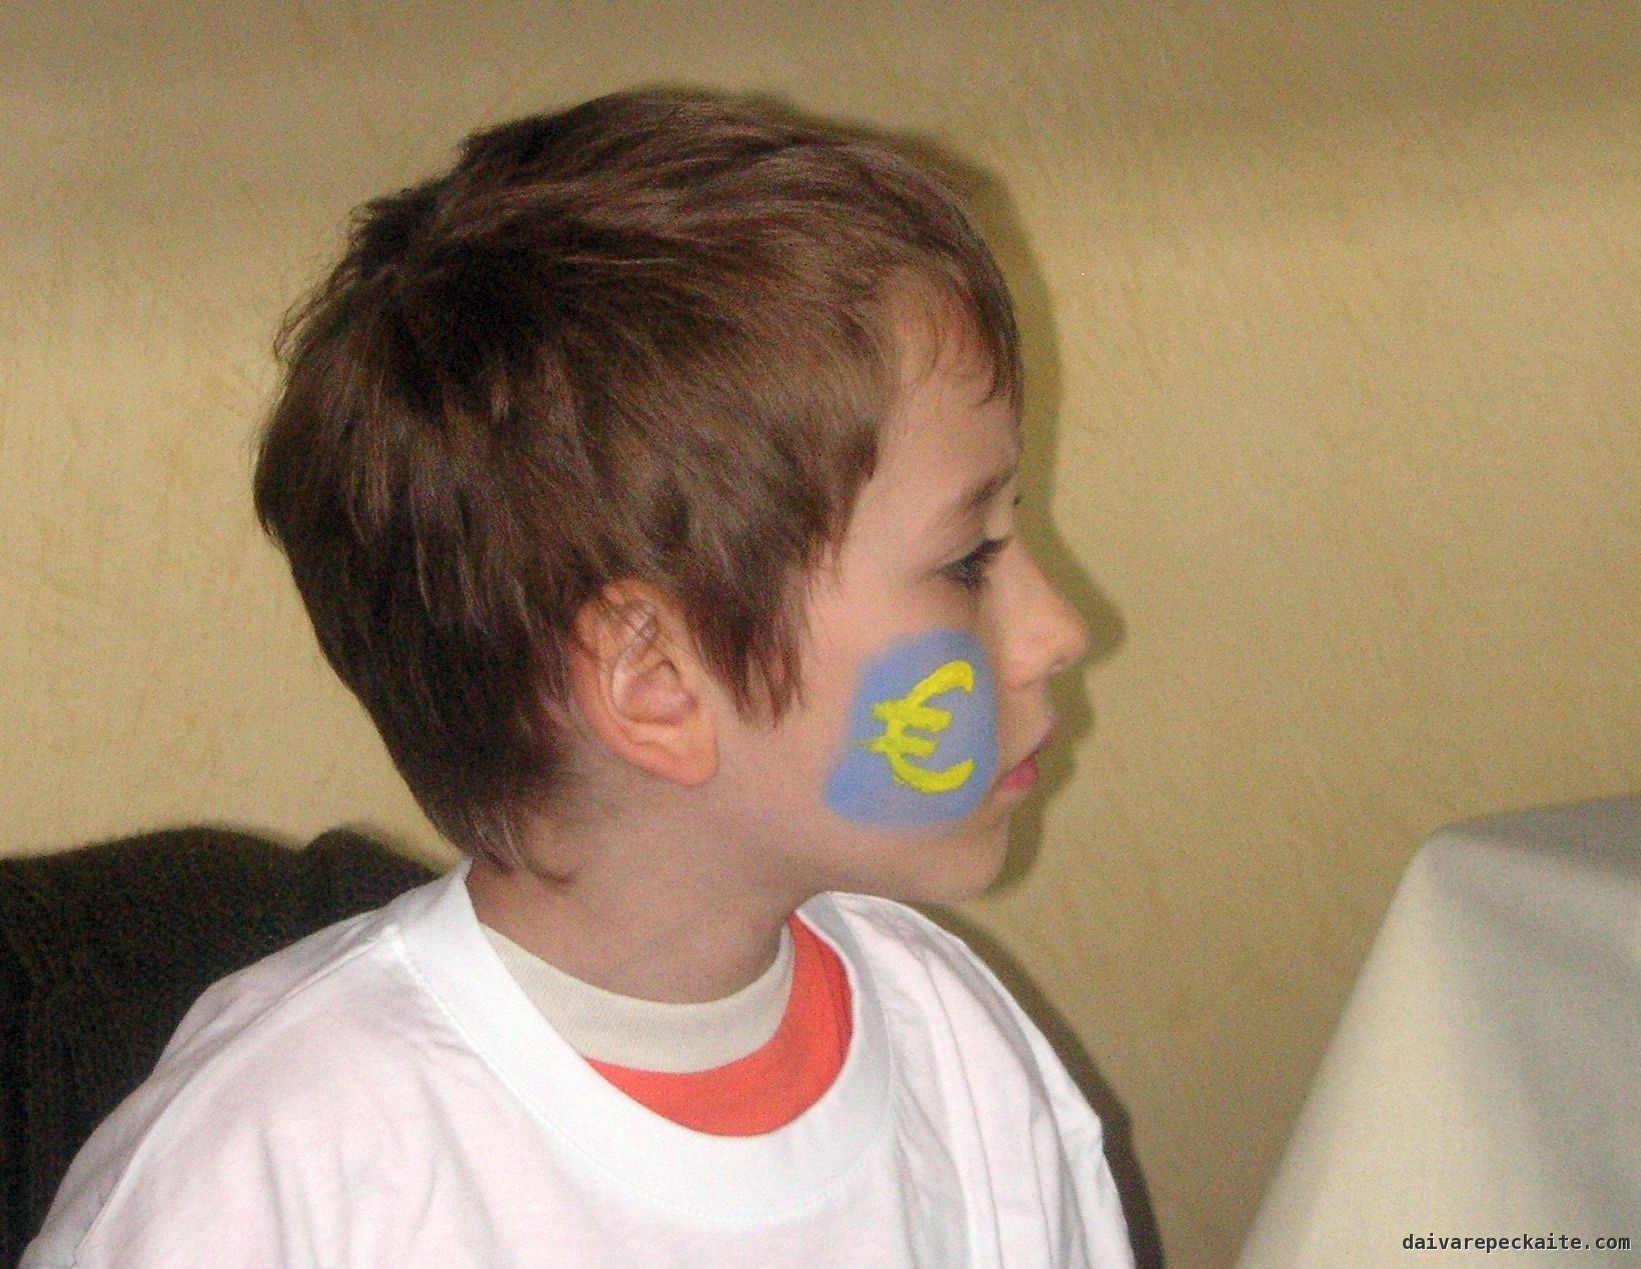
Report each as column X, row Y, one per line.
column 993, row 211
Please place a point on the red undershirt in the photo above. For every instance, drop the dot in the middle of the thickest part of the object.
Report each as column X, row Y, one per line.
column 774, row 1084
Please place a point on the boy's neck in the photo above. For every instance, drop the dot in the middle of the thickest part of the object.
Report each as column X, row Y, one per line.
column 635, row 923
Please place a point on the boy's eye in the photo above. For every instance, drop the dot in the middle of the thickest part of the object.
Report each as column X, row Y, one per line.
column 970, row 571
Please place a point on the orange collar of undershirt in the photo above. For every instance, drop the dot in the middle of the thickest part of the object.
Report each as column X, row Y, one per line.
column 774, row 1084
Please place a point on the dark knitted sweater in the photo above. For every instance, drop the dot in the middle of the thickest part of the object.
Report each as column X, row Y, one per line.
column 103, row 949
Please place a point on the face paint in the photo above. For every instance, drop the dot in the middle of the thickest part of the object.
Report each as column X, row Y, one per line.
column 922, row 744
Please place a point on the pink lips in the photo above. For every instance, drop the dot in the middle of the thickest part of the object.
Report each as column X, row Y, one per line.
column 1021, row 778
column 1025, row 776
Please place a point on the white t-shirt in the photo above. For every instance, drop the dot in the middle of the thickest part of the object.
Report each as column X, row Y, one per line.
column 384, row 1094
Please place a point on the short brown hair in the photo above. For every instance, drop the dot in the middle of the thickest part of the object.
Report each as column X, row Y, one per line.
column 644, row 338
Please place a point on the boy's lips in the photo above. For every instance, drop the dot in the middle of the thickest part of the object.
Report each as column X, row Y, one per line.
column 1025, row 774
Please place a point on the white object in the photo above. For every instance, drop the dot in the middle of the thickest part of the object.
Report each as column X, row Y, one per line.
column 1485, row 1081
column 383, row 1093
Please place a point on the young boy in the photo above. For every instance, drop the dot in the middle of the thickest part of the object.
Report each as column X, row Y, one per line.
column 650, row 478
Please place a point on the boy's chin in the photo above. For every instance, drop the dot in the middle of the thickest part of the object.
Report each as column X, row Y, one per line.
column 950, row 867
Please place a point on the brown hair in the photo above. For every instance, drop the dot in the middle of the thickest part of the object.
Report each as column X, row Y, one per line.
column 645, row 338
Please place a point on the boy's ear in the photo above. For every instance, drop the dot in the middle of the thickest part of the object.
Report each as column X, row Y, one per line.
column 640, row 685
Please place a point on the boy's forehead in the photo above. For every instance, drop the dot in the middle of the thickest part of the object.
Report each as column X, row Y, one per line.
column 950, row 437
column 935, row 336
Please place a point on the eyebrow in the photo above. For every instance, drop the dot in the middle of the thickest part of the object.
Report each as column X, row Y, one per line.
column 977, row 498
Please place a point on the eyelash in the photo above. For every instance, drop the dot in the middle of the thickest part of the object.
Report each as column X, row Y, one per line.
column 970, row 571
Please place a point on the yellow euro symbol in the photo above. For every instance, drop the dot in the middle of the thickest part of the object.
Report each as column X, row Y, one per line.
column 910, row 710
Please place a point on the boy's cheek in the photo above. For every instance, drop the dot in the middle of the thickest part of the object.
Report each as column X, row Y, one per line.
column 921, row 747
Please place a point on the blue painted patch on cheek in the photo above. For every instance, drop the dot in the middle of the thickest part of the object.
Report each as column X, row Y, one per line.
column 922, row 743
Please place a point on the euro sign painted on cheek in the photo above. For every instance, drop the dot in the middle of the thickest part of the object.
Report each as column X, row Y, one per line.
column 922, row 743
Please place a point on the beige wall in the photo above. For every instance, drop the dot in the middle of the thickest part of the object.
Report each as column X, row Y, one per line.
column 1335, row 321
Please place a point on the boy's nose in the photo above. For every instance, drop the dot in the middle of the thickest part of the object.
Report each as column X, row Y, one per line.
column 1070, row 637
column 1049, row 634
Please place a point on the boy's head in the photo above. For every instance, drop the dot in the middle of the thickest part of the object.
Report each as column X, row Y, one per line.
column 651, row 339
